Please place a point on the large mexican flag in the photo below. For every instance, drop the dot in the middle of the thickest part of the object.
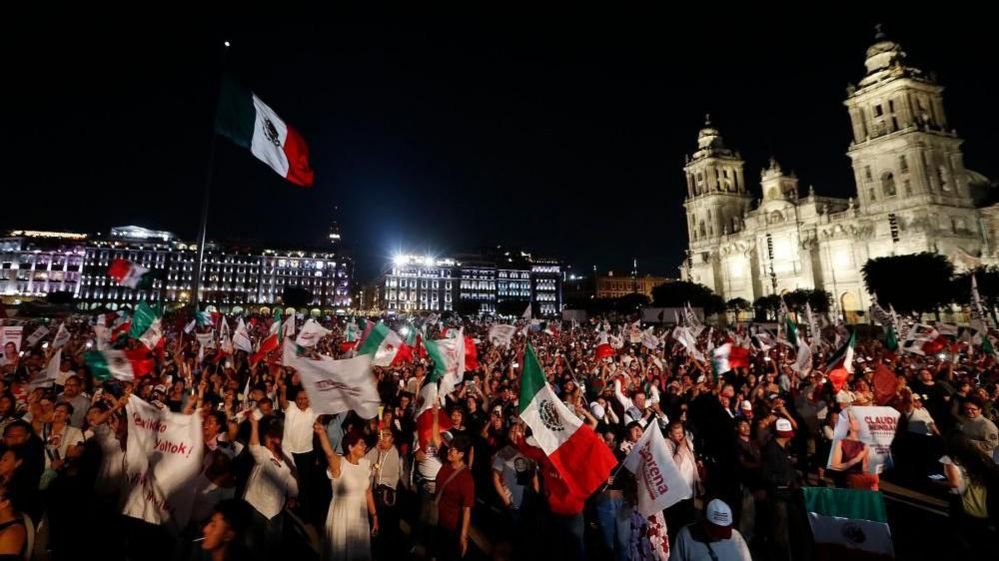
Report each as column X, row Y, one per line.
column 579, row 455
column 848, row 524
column 246, row 120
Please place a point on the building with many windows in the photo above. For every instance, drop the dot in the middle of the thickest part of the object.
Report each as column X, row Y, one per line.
column 473, row 283
column 419, row 283
column 39, row 263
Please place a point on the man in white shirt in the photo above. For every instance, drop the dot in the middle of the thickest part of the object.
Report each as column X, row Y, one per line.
column 271, row 485
column 297, row 442
column 713, row 539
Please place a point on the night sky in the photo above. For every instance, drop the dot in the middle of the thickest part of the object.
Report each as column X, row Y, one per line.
column 559, row 135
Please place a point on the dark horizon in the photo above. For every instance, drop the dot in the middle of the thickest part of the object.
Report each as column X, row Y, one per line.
column 564, row 140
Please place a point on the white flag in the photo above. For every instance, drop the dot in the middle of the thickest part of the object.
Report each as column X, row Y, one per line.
column 649, row 339
column 527, row 313
column 311, row 333
column 335, row 386
column 36, row 336
column 103, row 335
column 686, row 338
column 660, row 484
column 241, row 338
column 61, row 337
column 190, row 327
column 501, row 335
column 51, row 372
column 163, row 456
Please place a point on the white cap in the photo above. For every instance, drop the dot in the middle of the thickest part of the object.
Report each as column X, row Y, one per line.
column 597, row 410
column 783, row 425
column 719, row 513
column 747, row 405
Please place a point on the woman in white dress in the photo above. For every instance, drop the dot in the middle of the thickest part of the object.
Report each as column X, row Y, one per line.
column 348, row 536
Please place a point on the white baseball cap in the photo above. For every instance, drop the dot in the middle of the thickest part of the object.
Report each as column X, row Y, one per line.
column 784, row 428
column 719, row 513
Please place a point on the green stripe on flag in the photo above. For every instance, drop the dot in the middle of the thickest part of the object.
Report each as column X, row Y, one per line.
column 846, row 503
column 374, row 339
column 532, row 381
column 98, row 365
column 440, row 363
column 236, row 115
column 144, row 317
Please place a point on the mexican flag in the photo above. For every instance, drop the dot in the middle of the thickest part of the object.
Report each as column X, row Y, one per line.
column 449, row 361
column 126, row 365
column 574, row 449
column 430, row 393
column 792, row 331
column 891, row 339
column 130, row 274
column 848, row 524
column 843, row 358
column 246, row 120
column 386, row 345
column 146, row 326
column 719, row 360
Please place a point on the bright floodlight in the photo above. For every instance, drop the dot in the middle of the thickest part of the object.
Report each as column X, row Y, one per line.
column 227, row 43
column 399, row 260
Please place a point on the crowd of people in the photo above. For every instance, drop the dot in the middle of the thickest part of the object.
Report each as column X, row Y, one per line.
column 279, row 479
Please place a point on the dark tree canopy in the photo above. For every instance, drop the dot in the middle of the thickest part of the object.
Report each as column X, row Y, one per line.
column 738, row 305
column 921, row 282
column 680, row 293
column 819, row 300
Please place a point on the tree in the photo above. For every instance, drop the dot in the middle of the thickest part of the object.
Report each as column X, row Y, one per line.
column 819, row 300
column 296, row 297
column 738, row 305
column 766, row 307
column 920, row 283
column 629, row 304
column 680, row 293
column 988, row 288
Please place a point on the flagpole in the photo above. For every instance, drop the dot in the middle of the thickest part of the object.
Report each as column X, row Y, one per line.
column 210, row 176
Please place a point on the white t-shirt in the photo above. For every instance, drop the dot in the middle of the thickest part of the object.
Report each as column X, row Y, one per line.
column 686, row 548
column 516, row 471
column 428, row 467
column 298, row 429
column 270, row 484
column 58, row 443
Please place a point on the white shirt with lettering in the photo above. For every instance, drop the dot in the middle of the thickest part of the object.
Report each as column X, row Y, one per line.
column 298, row 429
column 271, row 482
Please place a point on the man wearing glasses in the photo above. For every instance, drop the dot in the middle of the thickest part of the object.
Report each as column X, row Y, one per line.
column 980, row 431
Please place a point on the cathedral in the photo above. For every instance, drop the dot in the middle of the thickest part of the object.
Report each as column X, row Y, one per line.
column 913, row 194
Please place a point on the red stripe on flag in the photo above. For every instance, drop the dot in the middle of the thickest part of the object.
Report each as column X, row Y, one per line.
column 119, row 269
column 584, row 461
column 297, row 153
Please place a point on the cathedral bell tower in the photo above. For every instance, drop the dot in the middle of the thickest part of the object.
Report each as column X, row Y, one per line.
column 716, row 202
column 904, row 155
